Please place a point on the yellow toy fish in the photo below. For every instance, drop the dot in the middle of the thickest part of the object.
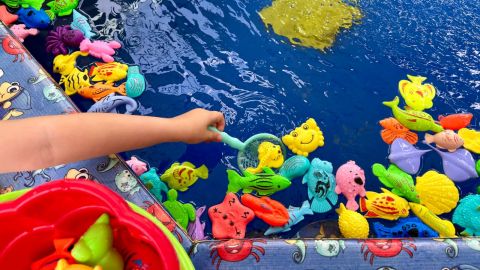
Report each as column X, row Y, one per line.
column 384, row 205
column 62, row 264
column 471, row 139
column 351, row 223
column 437, row 192
column 269, row 155
column 181, row 176
column 72, row 78
column 444, row 227
column 304, row 139
column 418, row 96
column 109, row 72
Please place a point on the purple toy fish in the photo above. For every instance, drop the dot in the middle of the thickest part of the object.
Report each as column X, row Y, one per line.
column 196, row 230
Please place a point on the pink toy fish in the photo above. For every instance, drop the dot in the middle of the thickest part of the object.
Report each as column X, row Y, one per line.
column 351, row 182
column 138, row 166
column 22, row 33
column 446, row 139
column 100, row 49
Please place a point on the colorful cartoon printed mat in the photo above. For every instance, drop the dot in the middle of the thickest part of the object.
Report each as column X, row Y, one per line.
column 39, row 95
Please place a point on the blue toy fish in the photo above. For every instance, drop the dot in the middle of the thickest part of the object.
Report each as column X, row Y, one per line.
column 135, row 82
column 152, row 182
column 294, row 167
column 321, row 185
column 467, row 215
column 405, row 227
column 111, row 102
column 33, row 18
column 296, row 215
column 80, row 22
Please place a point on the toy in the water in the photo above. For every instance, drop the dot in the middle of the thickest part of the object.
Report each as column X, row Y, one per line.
column 152, row 182
column 455, row 121
column 61, row 8
column 446, row 139
column 350, row 182
column 63, row 264
column 413, row 120
column 417, row 95
column 294, row 167
column 95, row 246
column 6, row 17
column 329, row 248
column 399, row 181
column 384, row 205
column 61, row 37
column 437, row 192
column 100, row 90
column 230, row 218
column 100, row 49
column 183, row 213
column 269, row 155
column 477, row 168
column 467, row 215
column 265, row 183
column 405, row 228
column 443, row 227
column 270, row 211
column 471, row 139
column 181, row 176
column 304, row 139
column 138, row 167
column 36, row 4
column 22, row 33
column 392, row 130
column 110, row 103
column 321, row 185
column 351, row 223
column 459, row 165
column 295, row 214
column 196, row 229
column 80, row 22
column 108, row 72
column 72, row 77
column 33, row 18
column 52, row 93
column 406, row 156
column 135, row 82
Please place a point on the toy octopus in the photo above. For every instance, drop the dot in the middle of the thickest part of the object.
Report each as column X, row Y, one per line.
column 61, row 37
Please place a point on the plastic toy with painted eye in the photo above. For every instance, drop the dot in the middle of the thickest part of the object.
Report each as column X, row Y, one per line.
column 304, row 139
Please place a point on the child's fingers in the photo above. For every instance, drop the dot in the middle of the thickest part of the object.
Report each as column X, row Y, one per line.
column 219, row 120
column 213, row 137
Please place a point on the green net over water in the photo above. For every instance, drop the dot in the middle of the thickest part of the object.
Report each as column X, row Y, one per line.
column 310, row 23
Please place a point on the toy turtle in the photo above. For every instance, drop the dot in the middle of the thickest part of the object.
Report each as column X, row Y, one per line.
column 61, row 8
column 181, row 212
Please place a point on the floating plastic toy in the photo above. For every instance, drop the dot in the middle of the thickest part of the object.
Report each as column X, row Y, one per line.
column 304, row 139
column 181, row 212
column 61, row 37
column 294, row 167
column 417, row 95
column 446, row 139
column 36, row 4
column 352, row 224
column 405, row 228
column 230, row 218
column 80, row 22
column 33, row 18
column 321, row 185
column 264, row 184
column 61, row 8
column 181, row 176
column 108, row 72
column 443, row 227
column 95, row 246
column 394, row 130
column 384, row 205
column 459, row 165
column 72, row 78
column 350, row 182
column 135, row 82
column 138, row 167
column 6, row 17
column 296, row 214
column 22, row 33
column 99, row 91
column 406, row 156
column 399, row 181
column 471, row 139
column 110, row 103
column 63, row 264
column 270, row 211
column 477, row 168
column 455, row 121
column 269, row 155
column 152, row 182
column 100, row 49
column 413, row 120
column 196, row 229
column 437, row 192
column 467, row 215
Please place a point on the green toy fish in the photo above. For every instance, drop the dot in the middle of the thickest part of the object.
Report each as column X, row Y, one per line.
column 413, row 120
column 36, row 4
column 264, row 184
column 61, row 8
column 399, row 181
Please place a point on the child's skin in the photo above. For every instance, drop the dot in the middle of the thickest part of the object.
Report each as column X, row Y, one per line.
column 42, row 142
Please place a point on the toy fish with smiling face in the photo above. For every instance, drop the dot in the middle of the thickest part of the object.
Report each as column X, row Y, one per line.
column 384, row 205
column 304, row 139
column 181, row 176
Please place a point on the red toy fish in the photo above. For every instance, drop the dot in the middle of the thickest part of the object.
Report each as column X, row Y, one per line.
column 266, row 209
column 455, row 121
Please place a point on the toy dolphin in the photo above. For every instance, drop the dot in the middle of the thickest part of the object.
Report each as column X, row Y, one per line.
column 406, row 156
column 459, row 165
column 406, row 227
column 296, row 214
column 80, row 22
column 111, row 102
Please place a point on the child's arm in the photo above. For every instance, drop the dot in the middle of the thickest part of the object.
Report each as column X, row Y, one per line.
column 42, row 142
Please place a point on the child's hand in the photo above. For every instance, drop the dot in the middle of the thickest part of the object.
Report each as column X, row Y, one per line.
column 193, row 126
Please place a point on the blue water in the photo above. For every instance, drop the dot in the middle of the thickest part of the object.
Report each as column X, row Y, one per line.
column 219, row 55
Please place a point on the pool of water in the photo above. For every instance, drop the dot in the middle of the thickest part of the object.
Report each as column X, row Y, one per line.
column 219, row 55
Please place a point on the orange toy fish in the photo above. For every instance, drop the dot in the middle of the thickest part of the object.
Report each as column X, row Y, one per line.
column 394, row 130
column 109, row 72
column 266, row 209
column 101, row 90
column 455, row 121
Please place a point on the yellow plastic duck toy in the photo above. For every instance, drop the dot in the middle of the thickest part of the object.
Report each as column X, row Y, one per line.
column 444, row 227
column 269, row 155
column 304, row 139
column 471, row 139
column 62, row 264
column 72, row 78
column 352, row 224
column 418, row 96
